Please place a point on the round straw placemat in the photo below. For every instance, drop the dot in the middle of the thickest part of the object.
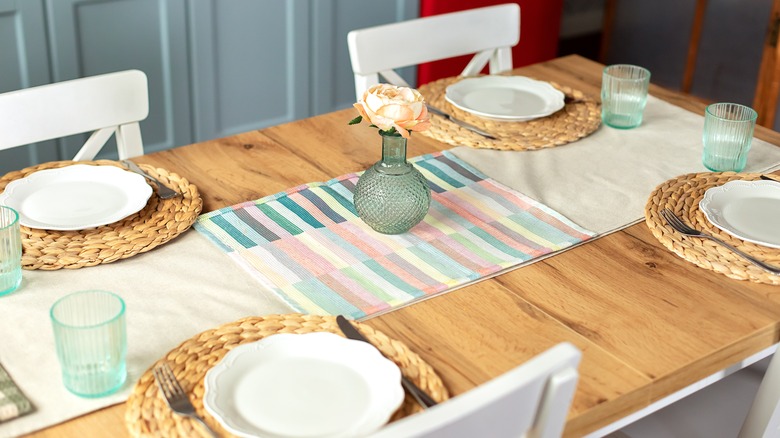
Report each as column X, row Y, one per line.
column 160, row 221
column 682, row 196
column 579, row 117
column 148, row 414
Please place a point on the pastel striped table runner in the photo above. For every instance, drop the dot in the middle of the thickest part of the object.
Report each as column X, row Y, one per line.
column 308, row 245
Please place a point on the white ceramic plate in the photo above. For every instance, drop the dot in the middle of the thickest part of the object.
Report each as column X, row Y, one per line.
column 76, row 197
column 749, row 210
column 307, row 385
column 505, row 98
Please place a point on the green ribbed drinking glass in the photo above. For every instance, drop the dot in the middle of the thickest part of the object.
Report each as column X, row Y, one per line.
column 91, row 340
column 624, row 95
column 392, row 196
column 727, row 135
column 10, row 250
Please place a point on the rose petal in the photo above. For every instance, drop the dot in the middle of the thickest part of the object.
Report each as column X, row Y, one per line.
column 404, row 133
column 359, row 107
column 396, row 112
column 373, row 102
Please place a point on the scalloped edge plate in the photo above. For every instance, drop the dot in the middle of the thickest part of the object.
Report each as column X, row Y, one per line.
column 505, row 98
column 749, row 210
column 302, row 386
column 76, row 197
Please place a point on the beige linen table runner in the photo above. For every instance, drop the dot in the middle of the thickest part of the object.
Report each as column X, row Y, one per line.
column 188, row 286
column 602, row 182
column 171, row 293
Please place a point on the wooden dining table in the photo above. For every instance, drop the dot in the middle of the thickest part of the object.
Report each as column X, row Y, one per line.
column 648, row 323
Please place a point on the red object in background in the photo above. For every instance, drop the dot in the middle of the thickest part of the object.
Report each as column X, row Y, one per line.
column 540, row 24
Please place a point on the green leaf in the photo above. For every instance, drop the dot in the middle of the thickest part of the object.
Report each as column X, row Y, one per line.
column 356, row 120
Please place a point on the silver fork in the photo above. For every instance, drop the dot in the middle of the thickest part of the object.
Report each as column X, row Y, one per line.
column 175, row 396
column 163, row 191
column 468, row 126
column 681, row 227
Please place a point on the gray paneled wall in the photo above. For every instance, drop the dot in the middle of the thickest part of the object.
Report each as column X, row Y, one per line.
column 215, row 67
column 90, row 37
column 24, row 62
column 247, row 60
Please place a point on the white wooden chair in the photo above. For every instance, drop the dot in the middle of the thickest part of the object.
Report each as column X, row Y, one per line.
column 745, row 404
column 531, row 400
column 763, row 419
column 488, row 32
column 106, row 104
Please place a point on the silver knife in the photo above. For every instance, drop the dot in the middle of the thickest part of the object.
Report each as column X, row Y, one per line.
column 418, row 394
column 163, row 191
column 468, row 126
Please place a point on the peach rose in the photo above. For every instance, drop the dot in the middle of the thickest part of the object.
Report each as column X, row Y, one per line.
column 388, row 106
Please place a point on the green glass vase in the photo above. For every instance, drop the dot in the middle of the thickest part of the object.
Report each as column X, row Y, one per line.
column 392, row 196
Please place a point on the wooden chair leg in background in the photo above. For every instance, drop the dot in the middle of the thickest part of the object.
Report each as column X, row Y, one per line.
column 768, row 86
column 610, row 7
column 606, row 29
column 693, row 45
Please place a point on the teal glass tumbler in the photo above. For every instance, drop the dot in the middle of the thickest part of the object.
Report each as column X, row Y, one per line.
column 10, row 251
column 91, row 340
column 392, row 196
column 624, row 95
column 727, row 136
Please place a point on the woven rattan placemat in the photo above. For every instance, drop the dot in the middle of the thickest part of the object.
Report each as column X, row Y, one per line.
column 682, row 195
column 579, row 117
column 158, row 222
column 148, row 415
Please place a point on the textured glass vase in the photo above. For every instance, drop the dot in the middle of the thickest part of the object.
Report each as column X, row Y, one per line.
column 392, row 196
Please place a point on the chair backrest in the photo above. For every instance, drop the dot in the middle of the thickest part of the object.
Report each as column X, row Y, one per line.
column 107, row 104
column 488, row 32
column 531, row 401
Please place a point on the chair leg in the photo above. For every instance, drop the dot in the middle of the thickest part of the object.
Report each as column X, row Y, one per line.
column 763, row 419
column 693, row 45
column 768, row 87
column 606, row 29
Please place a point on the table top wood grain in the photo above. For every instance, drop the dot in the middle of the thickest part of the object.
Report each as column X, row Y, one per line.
column 648, row 322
